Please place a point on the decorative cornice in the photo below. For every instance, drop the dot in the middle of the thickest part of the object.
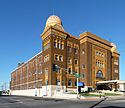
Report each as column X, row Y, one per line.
column 94, row 37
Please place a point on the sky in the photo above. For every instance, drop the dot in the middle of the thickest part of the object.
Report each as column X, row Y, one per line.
column 22, row 22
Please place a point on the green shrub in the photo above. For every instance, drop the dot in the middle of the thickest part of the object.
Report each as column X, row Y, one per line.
column 0, row 92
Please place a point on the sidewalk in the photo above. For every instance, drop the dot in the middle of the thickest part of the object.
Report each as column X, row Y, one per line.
column 116, row 97
column 71, row 97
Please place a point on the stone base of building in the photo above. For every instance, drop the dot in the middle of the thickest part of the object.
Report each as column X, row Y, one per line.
column 49, row 90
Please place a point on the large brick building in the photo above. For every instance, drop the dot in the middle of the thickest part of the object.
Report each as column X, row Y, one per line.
column 64, row 55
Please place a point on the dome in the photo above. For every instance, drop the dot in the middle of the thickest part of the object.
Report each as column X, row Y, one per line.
column 113, row 47
column 53, row 20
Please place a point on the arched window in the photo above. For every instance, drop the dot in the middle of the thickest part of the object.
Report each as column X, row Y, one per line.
column 99, row 74
column 69, row 83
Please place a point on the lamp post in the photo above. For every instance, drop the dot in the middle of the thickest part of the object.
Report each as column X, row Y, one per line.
column 77, row 75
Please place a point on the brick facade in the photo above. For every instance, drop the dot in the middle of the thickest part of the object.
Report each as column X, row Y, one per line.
column 89, row 55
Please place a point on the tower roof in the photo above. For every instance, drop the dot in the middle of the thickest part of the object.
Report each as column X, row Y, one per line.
column 55, row 22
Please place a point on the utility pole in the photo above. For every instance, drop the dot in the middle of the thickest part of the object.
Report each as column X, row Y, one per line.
column 2, row 87
column 5, row 86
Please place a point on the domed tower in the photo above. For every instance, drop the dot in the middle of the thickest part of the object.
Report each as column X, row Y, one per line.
column 54, row 53
column 53, row 22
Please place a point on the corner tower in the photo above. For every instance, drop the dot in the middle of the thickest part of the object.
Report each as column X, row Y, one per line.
column 53, row 45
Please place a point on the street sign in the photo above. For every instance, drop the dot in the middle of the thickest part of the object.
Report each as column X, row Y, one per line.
column 77, row 75
column 80, row 84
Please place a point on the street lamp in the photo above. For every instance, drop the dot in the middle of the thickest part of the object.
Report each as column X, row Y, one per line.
column 77, row 75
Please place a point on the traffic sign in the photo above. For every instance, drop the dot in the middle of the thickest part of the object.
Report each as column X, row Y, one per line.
column 77, row 75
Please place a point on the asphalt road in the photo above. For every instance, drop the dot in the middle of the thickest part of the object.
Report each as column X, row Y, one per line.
column 35, row 102
column 112, row 103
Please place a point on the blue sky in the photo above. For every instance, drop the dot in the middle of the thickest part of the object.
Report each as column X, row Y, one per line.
column 22, row 22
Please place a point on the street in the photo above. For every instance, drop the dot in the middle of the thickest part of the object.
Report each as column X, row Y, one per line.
column 32, row 102
column 112, row 103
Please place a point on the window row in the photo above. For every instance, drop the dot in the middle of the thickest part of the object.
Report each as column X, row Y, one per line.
column 98, row 53
column 70, row 44
column 58, row 44
column 70, row 83
column 71, row 49
column 29, row 86
column 46, row 58
column 29, row 74
column 69, row 61
column 100, row 64
column 58, row 57
column 69, row 70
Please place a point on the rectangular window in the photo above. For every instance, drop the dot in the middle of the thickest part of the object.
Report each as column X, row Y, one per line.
column 55, row 45
column 69, row 70
column 69, row 49
column 61, row 46
column 54, row 67
column 60, row 58
column 46, row 58
column 46, row 71
column 69, row 60
column 97, row 53
column 116, row 70
column 83, row 52
column 83, row 66
column 115, row 62
column 76, row 51
column 76, row 61
column 56, row 57
column 58, row 44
